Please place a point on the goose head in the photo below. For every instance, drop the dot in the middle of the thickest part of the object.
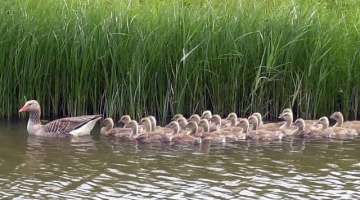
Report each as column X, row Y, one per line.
column 254, row 120
column 244, row 123
column 216, row 119
column 300, row 123
column 125, row 119
column 206, row 115
column 193, row 127
column 174, row 125
column 232, row 117
column 147, row 124
column 205, row 124
column 324, row 121
column 182, row 121
column 153, row 122
column 177, row 116
column 259, row 117
column 107, row 124
column 31, row 106
column 288, row 117
column 195, row 117
column 134, row 126
column 338, row 116
column 287, row 110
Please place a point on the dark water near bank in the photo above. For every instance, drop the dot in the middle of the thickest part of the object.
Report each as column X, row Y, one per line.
column 100, row 168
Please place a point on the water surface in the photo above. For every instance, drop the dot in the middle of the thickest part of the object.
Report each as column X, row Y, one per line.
column 102, row 168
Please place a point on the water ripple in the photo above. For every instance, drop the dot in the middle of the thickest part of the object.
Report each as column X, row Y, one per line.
column 100, row 168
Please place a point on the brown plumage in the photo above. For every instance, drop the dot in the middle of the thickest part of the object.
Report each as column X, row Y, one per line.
column 69, row 126
column 259, row 134
column 304, row 131
column 181, row 137
column 338, row 116
column 126, row 133
column 336, row 132
column 151, row 136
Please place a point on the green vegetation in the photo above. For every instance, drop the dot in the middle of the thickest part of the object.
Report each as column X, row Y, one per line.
column 166, row 56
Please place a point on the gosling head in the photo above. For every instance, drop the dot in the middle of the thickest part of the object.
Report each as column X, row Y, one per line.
column 125, row 119
column 195, row 118
column 259, row 117
column 216, row 119
column 108, row 123
column 299, row 123
column 287, row 116
column 146, row 121
column 244, row 123
column 134, row 126
column 177, row 116
column 338, row 116
column 232, row 117
column 193, row 127
column 206, row 115
column 253, row 120
column 174, row 125
column 182, row 122
column 324, row 121
column 153, row 122
column 31, row 106
column 205, row 124
column 287, row 110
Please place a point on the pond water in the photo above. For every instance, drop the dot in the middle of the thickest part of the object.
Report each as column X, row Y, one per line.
column 102, row 168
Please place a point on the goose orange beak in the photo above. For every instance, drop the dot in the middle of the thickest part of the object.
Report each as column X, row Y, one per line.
column 23, row 109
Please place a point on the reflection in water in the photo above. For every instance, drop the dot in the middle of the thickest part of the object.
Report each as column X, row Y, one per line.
column 102, row 168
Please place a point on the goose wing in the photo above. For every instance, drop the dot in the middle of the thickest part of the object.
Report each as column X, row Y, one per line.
column 68, row 124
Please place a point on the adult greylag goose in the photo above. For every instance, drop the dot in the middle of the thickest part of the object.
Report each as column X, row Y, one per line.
column 304, row 132
column 338, row 116
column 181, row 137
column 336, row 132
column 259, row 133
column 147, row 137
column 121, row 133
column 69, row 126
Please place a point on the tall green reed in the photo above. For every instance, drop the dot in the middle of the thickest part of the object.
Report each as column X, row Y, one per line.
column 163, row 57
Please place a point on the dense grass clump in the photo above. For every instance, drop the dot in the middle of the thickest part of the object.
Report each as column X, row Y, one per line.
column 163, row 57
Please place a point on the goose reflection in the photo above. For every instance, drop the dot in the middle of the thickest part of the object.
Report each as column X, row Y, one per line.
column 47, row 153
